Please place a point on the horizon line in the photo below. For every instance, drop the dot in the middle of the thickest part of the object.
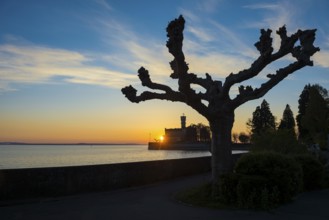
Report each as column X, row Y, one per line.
column 83, row 143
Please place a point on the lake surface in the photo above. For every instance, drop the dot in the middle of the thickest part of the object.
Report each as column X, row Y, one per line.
column 30, row 156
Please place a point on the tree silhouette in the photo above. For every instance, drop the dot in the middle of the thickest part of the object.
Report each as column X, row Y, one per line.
column 244, row 138
column 215, row 103
column 287, row 121
column 303, row 103
column 316, row 118
column 262, row 119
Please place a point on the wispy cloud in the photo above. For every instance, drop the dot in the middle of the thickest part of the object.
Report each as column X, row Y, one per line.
column 262, row 5
column 132, row 50
column 209, row 46
column 36, row 64
column 28, row 63
column 205, row 45
column 213, row 48
column 104, row 4
column 275, row 16
column 208, row 6
column 235, row 41
column 189, row 15
column 322, row 58
column 327, row 42
column 286, row 13
column 217, row 64
column 201, row 33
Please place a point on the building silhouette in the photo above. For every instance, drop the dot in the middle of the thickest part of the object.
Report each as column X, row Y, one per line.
column 193, row 137
column 190, row 134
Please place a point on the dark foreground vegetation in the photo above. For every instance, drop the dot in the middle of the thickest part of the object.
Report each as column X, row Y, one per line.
column 281, row 163
column 261, row 180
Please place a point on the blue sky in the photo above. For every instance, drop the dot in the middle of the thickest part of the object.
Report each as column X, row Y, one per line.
column 63, row 62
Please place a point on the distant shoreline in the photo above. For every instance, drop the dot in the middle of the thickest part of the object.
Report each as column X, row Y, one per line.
column 23, row 143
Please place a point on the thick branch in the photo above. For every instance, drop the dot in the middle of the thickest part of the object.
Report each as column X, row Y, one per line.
column 169, row 94
column 248, row 93
column 213, row 87
column 143, row 74
column 131, row 94
column 203, row 82
column 302, row 53
column 175, row 46
column 180, row 67
column 264, row 46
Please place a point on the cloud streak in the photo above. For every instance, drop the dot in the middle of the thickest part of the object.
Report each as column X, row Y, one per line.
column 276, row 15
column 34, row 64
column 209, row 47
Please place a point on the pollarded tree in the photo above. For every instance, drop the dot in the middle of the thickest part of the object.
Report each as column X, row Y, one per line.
column 215, row 104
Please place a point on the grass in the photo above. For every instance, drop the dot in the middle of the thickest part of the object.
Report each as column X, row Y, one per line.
column 200, row 196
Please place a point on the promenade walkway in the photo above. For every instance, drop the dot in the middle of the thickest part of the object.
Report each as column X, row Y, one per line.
column 156, row 202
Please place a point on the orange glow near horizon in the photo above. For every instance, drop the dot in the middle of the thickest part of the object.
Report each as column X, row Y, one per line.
column 84, row 132
column 140, row 127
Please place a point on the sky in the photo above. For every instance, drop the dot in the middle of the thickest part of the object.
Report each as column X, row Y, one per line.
column 63, row 63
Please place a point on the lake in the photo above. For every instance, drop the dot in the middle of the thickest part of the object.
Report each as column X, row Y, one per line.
column 31, row 156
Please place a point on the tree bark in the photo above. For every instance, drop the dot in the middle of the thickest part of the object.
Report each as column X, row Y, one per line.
column 221, row 144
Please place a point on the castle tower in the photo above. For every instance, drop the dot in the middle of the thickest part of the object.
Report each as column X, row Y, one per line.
column 183, row 121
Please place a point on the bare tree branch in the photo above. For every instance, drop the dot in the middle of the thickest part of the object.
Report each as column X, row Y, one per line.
column 175, row 46
column 144, row 77
column 131, row 94
column 170, row 95
column 302, row 53
column 178, row 65
column 143, row 74
column 248, row 93
column 264, row 46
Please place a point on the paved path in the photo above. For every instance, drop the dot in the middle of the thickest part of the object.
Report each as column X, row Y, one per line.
column 156, row 202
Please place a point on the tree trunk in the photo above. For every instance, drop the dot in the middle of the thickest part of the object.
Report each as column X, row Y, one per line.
column 221, row 145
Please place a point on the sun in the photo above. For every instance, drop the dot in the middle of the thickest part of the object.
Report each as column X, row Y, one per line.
column 161, row 138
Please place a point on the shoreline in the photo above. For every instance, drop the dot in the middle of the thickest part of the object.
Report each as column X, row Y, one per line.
column 24, row 143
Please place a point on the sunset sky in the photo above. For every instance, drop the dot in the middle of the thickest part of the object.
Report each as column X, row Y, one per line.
column 64, row 62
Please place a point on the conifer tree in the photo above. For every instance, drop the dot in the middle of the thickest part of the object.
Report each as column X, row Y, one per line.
column 315, row 119
column 262, row 119
column 287, row 121
column 303, row 104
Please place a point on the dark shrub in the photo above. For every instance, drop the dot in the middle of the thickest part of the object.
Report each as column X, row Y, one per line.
column 281, row 141
column 228, row 188
column 281, row 172
column 255, row 192
column 313, row 171
column 248, row 191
